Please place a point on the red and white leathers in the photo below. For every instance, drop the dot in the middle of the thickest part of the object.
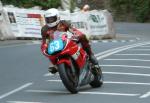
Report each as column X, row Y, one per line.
column 64, row 26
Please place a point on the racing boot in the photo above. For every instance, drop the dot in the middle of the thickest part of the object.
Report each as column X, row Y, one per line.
column 52, row 69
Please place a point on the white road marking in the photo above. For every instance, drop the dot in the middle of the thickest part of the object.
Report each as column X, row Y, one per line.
column 8, row 46
column 92, row 93
column 50, row 74
column 112, row 82
column 142, row 60
column 16, row 45
column 145, row 46
column 133, row 54
column 123, row 41
column 145, row 95
column 105, row 41
column 138, row 38
column 119, row 49
column 107, row 51
column 128, row 83
column 132, row 40
column 36, row 42
column 139, row 49
column 112, row 51
column 54, row 80
column 114, row 41
column 22, row 102
column 133, row 74
column 127, row 66
column 107, row 93
column 15, row 90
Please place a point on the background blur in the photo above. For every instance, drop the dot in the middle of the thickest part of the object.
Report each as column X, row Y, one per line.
column 122, row 10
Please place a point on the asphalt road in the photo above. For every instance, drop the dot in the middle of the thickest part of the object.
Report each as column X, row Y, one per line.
column 125, row 64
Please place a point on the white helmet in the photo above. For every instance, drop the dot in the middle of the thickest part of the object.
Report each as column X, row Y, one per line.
column 52, row 17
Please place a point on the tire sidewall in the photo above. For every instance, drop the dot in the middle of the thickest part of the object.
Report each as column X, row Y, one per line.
column 62, row 69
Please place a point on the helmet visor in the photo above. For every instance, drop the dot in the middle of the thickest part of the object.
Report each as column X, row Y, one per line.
column 51, row 19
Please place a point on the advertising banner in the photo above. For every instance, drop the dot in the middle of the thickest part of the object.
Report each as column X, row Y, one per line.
column 79, row 21
column 25, row 23
column 28, row 23
column 97, row 23
column 93, row 22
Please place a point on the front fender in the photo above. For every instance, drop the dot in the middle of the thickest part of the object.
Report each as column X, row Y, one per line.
column 64, row 60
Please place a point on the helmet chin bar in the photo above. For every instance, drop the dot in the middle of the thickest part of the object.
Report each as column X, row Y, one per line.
column 53, row 24
column 51, row 19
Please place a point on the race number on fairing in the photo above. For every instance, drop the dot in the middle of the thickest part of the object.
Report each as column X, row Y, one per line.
column 55, row 46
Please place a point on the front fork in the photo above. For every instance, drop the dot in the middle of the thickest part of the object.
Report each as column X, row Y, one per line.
column 72, row 67
column 86, row 75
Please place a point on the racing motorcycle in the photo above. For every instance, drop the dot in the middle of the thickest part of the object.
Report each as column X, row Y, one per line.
column 73, row 64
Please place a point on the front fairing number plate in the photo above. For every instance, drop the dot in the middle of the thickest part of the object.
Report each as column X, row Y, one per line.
column 55, row 46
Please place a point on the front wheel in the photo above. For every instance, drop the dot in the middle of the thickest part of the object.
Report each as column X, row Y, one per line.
column 98, row 77
column 69, row 77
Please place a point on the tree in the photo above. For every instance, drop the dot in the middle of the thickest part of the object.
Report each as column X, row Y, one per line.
column 45, row 4
column 140, row 9
column 72, row 5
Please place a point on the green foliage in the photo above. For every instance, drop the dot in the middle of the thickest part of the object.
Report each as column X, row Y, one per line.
column 45, row 4
column 18, row 3
column 139, row 8
column 72, row 5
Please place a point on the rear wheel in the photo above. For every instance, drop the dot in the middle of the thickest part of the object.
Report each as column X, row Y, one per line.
column 98, row 77
column 69, row 77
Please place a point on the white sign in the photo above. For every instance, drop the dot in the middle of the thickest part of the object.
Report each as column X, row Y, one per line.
column 26, row 23
column 79, row 21
column 97, row 23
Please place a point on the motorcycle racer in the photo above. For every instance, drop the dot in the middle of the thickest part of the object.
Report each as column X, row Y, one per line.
column 54, row 23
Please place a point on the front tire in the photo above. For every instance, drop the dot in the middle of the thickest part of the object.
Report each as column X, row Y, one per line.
column 69, row 79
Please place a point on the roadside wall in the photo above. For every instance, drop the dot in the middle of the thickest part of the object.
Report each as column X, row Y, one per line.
column 17, row 23
column 5, row 30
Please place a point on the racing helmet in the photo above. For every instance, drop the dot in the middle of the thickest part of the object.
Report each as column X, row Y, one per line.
column 52, row 17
